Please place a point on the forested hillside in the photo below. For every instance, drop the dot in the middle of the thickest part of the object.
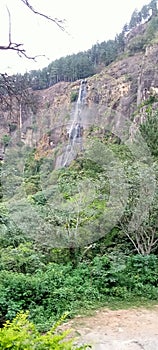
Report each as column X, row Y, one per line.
column 92, row 61
column 79, row 233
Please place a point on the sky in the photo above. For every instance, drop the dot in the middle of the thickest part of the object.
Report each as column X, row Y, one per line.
column 87, row 22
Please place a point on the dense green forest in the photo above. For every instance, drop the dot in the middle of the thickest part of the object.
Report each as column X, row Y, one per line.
column 64, row 247
column 97, row 265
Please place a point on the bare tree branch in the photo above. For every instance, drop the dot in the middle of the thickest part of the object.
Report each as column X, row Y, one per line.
column 55, row 20
column 18, row 47
column 15, row 46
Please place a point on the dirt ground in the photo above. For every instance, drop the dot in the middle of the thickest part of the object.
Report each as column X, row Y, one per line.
column 132, row 329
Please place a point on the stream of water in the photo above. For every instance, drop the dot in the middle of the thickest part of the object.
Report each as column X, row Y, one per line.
column 75, row 131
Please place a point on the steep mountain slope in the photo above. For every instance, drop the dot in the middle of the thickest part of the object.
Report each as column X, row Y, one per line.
column 116, row 91
column 113, row 95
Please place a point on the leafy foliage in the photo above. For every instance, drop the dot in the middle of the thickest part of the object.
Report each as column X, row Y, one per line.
column 22, row 334
column 94, row 264
column 47, row 294
column 74, row 96
column 149, row 130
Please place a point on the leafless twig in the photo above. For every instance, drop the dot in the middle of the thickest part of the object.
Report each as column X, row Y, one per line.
column 18, row 47
column 55, row 20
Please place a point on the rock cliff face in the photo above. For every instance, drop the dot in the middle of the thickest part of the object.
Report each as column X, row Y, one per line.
column 123, row 89
column 118, row 89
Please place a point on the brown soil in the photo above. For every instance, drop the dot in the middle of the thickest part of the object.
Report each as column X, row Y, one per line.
column 133, row 329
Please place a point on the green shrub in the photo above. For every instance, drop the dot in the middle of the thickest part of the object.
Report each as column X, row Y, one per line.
column 140, row 276
column 12, row 127
column 73, row 96
column 21, row 334
column 137, row 43
column 54, row 288
column 32, row 185
column 142, row 269
column 152, row 29
column 22, row 258
column 5, row 140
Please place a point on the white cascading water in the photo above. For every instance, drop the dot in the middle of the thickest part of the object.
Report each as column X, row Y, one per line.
column 75, row 130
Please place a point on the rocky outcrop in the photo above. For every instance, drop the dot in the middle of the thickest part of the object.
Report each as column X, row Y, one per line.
column 117, row 91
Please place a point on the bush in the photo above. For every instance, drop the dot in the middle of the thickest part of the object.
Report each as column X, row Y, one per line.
column 137, row 44
column 5, row 140
column 32, row 185
column 22, row 258
column 54, row 288
column 140, row 276
column 12, row 127
column 142, row 269
column 21, row 334
column 152, row 29
column 73, row 96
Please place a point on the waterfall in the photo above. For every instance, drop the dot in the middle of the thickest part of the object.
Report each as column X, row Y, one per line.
column 75, row 130
column 79, row 106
